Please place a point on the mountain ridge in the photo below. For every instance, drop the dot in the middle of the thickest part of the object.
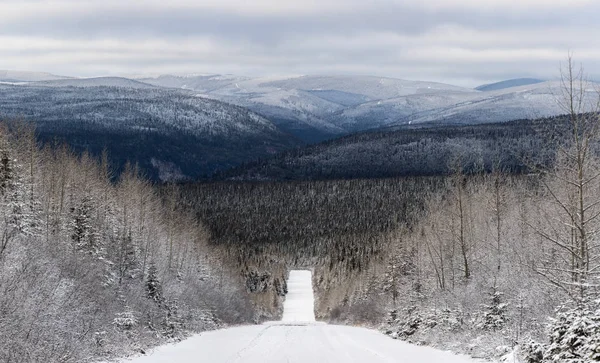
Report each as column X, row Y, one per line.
column 509, row 83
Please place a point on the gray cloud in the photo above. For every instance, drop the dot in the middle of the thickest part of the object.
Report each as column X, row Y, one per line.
column 462, row 41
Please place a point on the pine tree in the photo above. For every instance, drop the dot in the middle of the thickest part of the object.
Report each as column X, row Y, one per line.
column 494, row 316
column 173, row 323
column 153, row 286
column 83, row 234
column 575, row 335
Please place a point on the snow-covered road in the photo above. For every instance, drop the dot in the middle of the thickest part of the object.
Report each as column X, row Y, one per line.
column 297, row 339
column 299, row 305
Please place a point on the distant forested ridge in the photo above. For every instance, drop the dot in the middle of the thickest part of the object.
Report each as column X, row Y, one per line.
column 414, row 151
column 170, row 134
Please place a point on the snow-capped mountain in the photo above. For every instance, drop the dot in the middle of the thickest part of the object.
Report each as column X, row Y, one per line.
column 321, row 107
column 308, row 106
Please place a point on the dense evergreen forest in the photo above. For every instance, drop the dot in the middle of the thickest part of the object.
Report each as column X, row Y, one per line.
column 424, row 150
column 469, row 262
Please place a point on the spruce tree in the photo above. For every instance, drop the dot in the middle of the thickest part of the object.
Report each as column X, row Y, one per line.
column 153, row 286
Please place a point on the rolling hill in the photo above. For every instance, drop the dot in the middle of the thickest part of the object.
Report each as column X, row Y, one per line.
column 508, row 84
column 410, row 151
column 317, row 108
column 309, row 107
column 171, row 134
column 187, row 127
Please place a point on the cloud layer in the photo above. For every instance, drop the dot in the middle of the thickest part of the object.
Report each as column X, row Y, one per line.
column 465, row 42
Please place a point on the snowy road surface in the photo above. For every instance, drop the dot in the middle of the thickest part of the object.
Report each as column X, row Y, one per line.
column 299, row 305
column 296, row 339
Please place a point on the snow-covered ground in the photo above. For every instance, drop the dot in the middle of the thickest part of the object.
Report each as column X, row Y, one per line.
column 299, row 301
column 297, row 338
column 297, row 344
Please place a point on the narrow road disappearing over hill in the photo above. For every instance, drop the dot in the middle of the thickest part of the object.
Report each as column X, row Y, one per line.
column 298, row 339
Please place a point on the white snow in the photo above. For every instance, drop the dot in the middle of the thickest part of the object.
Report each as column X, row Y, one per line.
column 297, row 344
column 299, row 301
column 297, row 339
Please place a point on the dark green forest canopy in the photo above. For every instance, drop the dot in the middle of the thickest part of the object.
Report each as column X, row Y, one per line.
column 415, row 151
column 318, row 221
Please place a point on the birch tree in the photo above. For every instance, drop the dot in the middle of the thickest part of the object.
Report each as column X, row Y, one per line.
column 573, row 186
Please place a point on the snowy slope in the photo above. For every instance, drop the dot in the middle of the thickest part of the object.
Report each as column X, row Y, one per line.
column 524, row 102
column 529, row 101
column 375, row 88
column 508, row 84
column 296, row 340
column 309, row 102
column 336, row 105
column 315, row 108
column 168, row 132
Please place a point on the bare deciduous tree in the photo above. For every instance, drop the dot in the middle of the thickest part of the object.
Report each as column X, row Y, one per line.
column 572, row 186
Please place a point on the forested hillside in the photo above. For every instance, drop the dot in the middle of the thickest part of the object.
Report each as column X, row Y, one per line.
column 414, row 151
column 171, row 134
column 94, row 269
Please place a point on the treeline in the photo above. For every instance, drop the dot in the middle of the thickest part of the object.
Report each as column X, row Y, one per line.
column 91, row 268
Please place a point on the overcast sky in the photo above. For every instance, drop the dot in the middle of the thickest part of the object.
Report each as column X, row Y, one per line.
column 464, row 42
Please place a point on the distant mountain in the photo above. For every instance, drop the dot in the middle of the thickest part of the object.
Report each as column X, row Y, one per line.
column 20, row 76
column 194, row 126
column 171, row 134
column 317, row 108
column 94, row 82
column 307, row 106
column 524, row 102
column 508, row 84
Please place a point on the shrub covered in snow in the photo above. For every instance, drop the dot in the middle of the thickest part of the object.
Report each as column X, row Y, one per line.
column 574, row 337
column 404, row 323
column 125, row 320
column 494, row 315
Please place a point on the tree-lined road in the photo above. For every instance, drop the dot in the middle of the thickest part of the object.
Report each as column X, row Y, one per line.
column 297, row 339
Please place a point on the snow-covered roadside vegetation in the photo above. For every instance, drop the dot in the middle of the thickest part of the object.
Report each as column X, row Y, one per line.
column 91, row 268
column 501, row 261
